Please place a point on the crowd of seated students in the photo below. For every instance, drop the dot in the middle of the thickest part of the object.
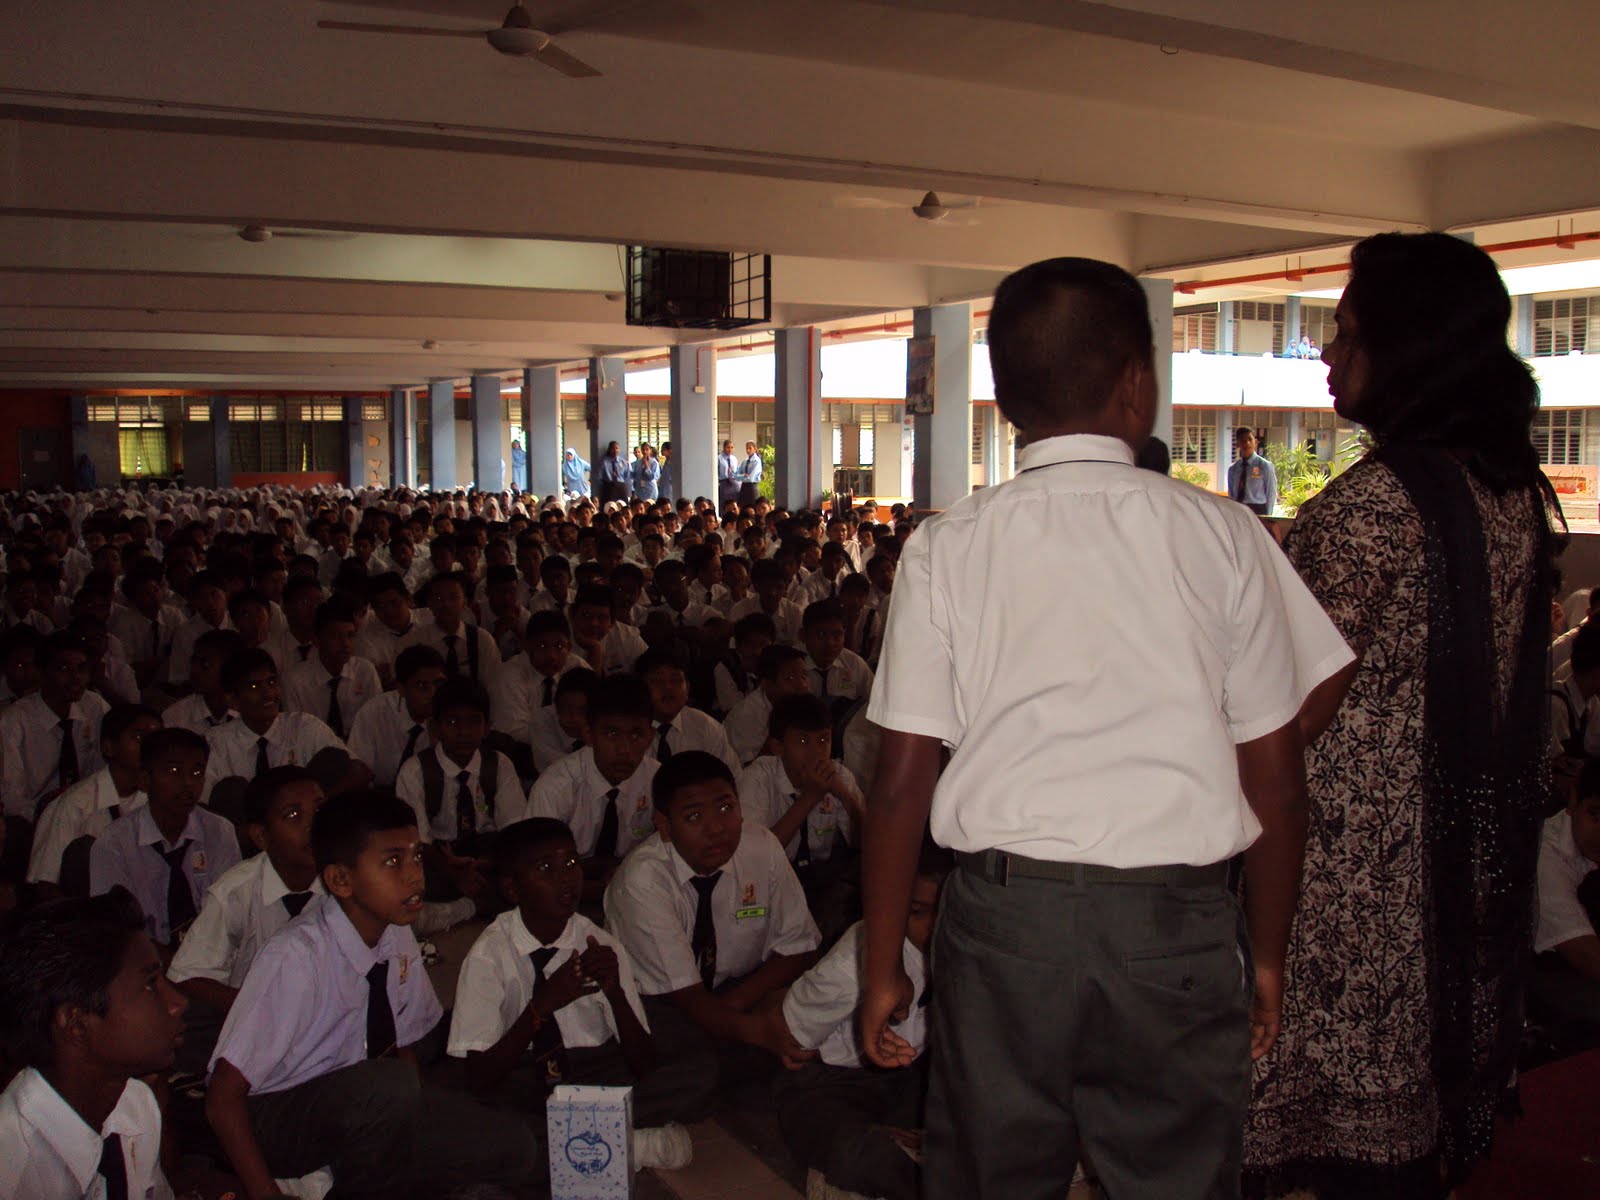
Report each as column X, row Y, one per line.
column 255, row 745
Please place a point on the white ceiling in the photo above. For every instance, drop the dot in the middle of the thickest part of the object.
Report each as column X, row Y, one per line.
column 482, row 200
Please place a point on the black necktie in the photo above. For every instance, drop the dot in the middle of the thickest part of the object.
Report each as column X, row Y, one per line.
column 547, row 1045
column 304, row 651
column 663, row 751
column 549, row 692
column 606, row 844
column 335, row 717
column 802, row 855
column 262, row 762
column 296, row 902
column 113, row 1169
column 1238, row 490
column 822, row 681
column 411, row 744
column 466, row 812
column 577, row 744
column 452, row 661
column 704, row 941
column 380, row 1017
column 180, row 899
column 68, row 766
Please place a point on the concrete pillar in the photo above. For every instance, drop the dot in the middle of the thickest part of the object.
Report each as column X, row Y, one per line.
column 402, row 438
column 1225, row 419
column 1524, row 323
column 1225, row 339
column 609, row 377
column 798, row 439
column 487, row 412
column 1158, row 298
column 990, row 416
column 1292, row 418
column 942, row 470
column 442, row 435
column 355, row 444
column 541, row 390
column 692, row 417
column 1291, row 321
column 221, row 446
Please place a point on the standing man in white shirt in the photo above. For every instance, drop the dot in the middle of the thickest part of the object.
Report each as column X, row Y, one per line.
column 727, row 478
column 1127, row 722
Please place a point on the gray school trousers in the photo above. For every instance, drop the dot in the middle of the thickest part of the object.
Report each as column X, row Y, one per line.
column 1084, row 1017
column 833, row 1119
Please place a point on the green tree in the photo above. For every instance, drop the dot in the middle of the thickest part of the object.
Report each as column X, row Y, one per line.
column 768, row 485
column 1191, row 474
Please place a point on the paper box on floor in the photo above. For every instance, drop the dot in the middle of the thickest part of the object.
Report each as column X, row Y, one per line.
column 590, row 1148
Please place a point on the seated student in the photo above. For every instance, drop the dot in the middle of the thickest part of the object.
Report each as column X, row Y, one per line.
column 332, row 684
column 602, row 792
column 460, row 791
column 837, row 1114
column 504, row 615
column 315, row 1066
column 833, row 569
column 84, row 1011
column 735, row 583
column 207, row 706
column 392, row 626
column 555, row 579
column 671, row 582
column 467, row 649
column 563, row 728
column 1565, row 987
column 863, row 624
column 86, row 810
column 546, row 996
column 714, row 922
column 21, row 605
column 110, row 676
column 781, row 671
column 302, row 596
column 393, row 726
column 170, row 850
column 703, row 564
column 252, row 616
column 257, row 897
column 19, row 663
column 838, row 676
column 528, row 680
column 627, row 591
column 677, row 726
column 810, row 802
column 209, row 604
column 768, row 582
column 145, row 624
column 735, row 675
column 264, row 735
column 50, row 738
column 607, row 646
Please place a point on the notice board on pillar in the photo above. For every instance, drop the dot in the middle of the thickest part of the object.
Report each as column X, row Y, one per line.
column 919, row 376
column 591, row 402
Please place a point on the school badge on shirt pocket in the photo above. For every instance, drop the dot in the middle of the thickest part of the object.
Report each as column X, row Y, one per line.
column 748, row 909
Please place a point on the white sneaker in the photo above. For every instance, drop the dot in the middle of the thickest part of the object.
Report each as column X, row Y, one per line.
column 665, row 1146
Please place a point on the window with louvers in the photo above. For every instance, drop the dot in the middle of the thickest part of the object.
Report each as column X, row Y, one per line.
column 1565, row 326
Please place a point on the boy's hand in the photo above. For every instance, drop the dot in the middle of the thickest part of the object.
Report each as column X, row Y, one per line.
column 600, row 964
column 771, row 1033
column 565, row 984
column 1266, row 1010
column 882, row 1005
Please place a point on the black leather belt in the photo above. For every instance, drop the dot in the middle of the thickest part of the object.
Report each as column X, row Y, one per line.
column 1000, row 866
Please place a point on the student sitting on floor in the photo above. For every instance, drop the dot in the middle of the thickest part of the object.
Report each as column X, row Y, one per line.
column 461, row 792
column 780, row 672
column 839, row 677
column 260, row 895
column 70, row 823
column 606, row 645
column 546, row 996
column 527, row 682
column 714, row 922
column 51, row 737
column 209, row 604
column 85, row 1011
column 769, row 583
column 315, row 1066
column 736, row 674
column 332, row 685
column 1565, row 987
column 678, row 727
column 264, row 735
column 563, row 728
column 392, row 727
column 838, row 1115
column 207, row 706
column 168, row 852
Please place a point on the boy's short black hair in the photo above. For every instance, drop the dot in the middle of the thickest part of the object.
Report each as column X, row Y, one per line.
column 438, row 581
column 579, row 679
column 685, row 770
column 461, row 692
column 765, row 569
column 698, row 558
column 332, row 612
column 855, row 582
column 244, row 598
column 224, row 643
column 822, row 612
column 416, row 658
column 805, row 711
column 632, row 572
column 620, row 696
column 547, row 620
column 753, row 624
column 56, row 644
column 20, row 637
column 500, row 574
column 389, row 581
column 1589, row 779
column 555, row 564
column 773, row 659
column 120, row 718
column 243, row 664
column 168, row 739
column 63, row 952
column 343, row 825
column 667, row 654
column 520, row 838
column 264, row 789
column 594, row 595
column 671, row 569
column 298, row 584
column 1586, row 648
column 835, row 550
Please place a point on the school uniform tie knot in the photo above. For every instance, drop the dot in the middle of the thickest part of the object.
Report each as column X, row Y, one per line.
column 802, row 854
column 296, row 902
column 548, row 1046
column 822, row 683
column 452, row 660
column 466, row 810
column 704, row 939
column 113, row 1168
column 610, row 824
column 411, row 744
column 549, row 692
column 304, row 651
column 380, row 1016
column 663, row 749
column 335, row 717
column 180, row 898
column 67, row 768
column 262, row 762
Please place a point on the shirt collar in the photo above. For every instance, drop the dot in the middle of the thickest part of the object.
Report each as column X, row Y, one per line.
column 148, row 834
column 1074, row 447
column 273, row 887
column 524, row 943
column 451, row 768
column 361, row 957
column 105, row 792
column 69, row 1135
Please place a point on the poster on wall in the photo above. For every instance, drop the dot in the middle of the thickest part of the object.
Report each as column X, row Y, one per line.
column 919, row 376
column 591, row 402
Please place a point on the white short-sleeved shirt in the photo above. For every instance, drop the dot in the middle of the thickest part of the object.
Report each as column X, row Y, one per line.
column 518, row 694
column 1562, row 867
column 47, row 1150
column 693, row 615
column 759, row 909
column 293, row 740
column 188, row 633
column 144, row 638
column 787, row 618
column 30, row 749
column 692, row 729
column 620, row 649
column 848, row 677
column 380, row 645
column 129, row 853
column 194, row 714
column 496, row 812
column 574, row 791
column 379, row 734
column 242, row 911
column 489, row 664
column 302, row 1011
column 1566, row 703
column 748, row 724
column 820, row 1009
column 306, row 688
column 766, row 794
column 288, row 651
column 1092, row 641
column 497, row 982
column 83, row 810
column 550, row 742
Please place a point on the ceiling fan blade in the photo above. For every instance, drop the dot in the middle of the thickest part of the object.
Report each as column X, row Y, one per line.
column 318, row 234
column 554, row 57
column 422, row 30
column 868, row 202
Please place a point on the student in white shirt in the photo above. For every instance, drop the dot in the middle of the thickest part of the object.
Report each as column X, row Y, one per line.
column 206, row 707
column 606, row 645
column 563, row 728
column 736, row 674
column 468, row 650
column 85, row 1010
column 85, row 810
column 677, row 727
column 1564, row 990
column 767, row 581
column 264, row 735
column 527, row 682
column 51, row 737
column 780, row 672
column 393, row 726
column 392, row 625
column 332, row 685
column 824, row 583
column 302, row 596
column 699, row 622
column 210, row 606
column 839, row 677
column 836, row 1113
column 811, row 803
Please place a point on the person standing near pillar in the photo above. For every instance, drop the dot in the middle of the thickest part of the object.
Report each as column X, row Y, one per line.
column 574, row 474
column 665, row 483
column 1093, row 803
column 613, row 474
column 1251, row 479
column 519, row 467
column 646, row 473
column 750, row 476
column 727, row 478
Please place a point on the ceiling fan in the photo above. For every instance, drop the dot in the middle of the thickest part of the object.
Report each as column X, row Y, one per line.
column 516, row 36
column 930, row 208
